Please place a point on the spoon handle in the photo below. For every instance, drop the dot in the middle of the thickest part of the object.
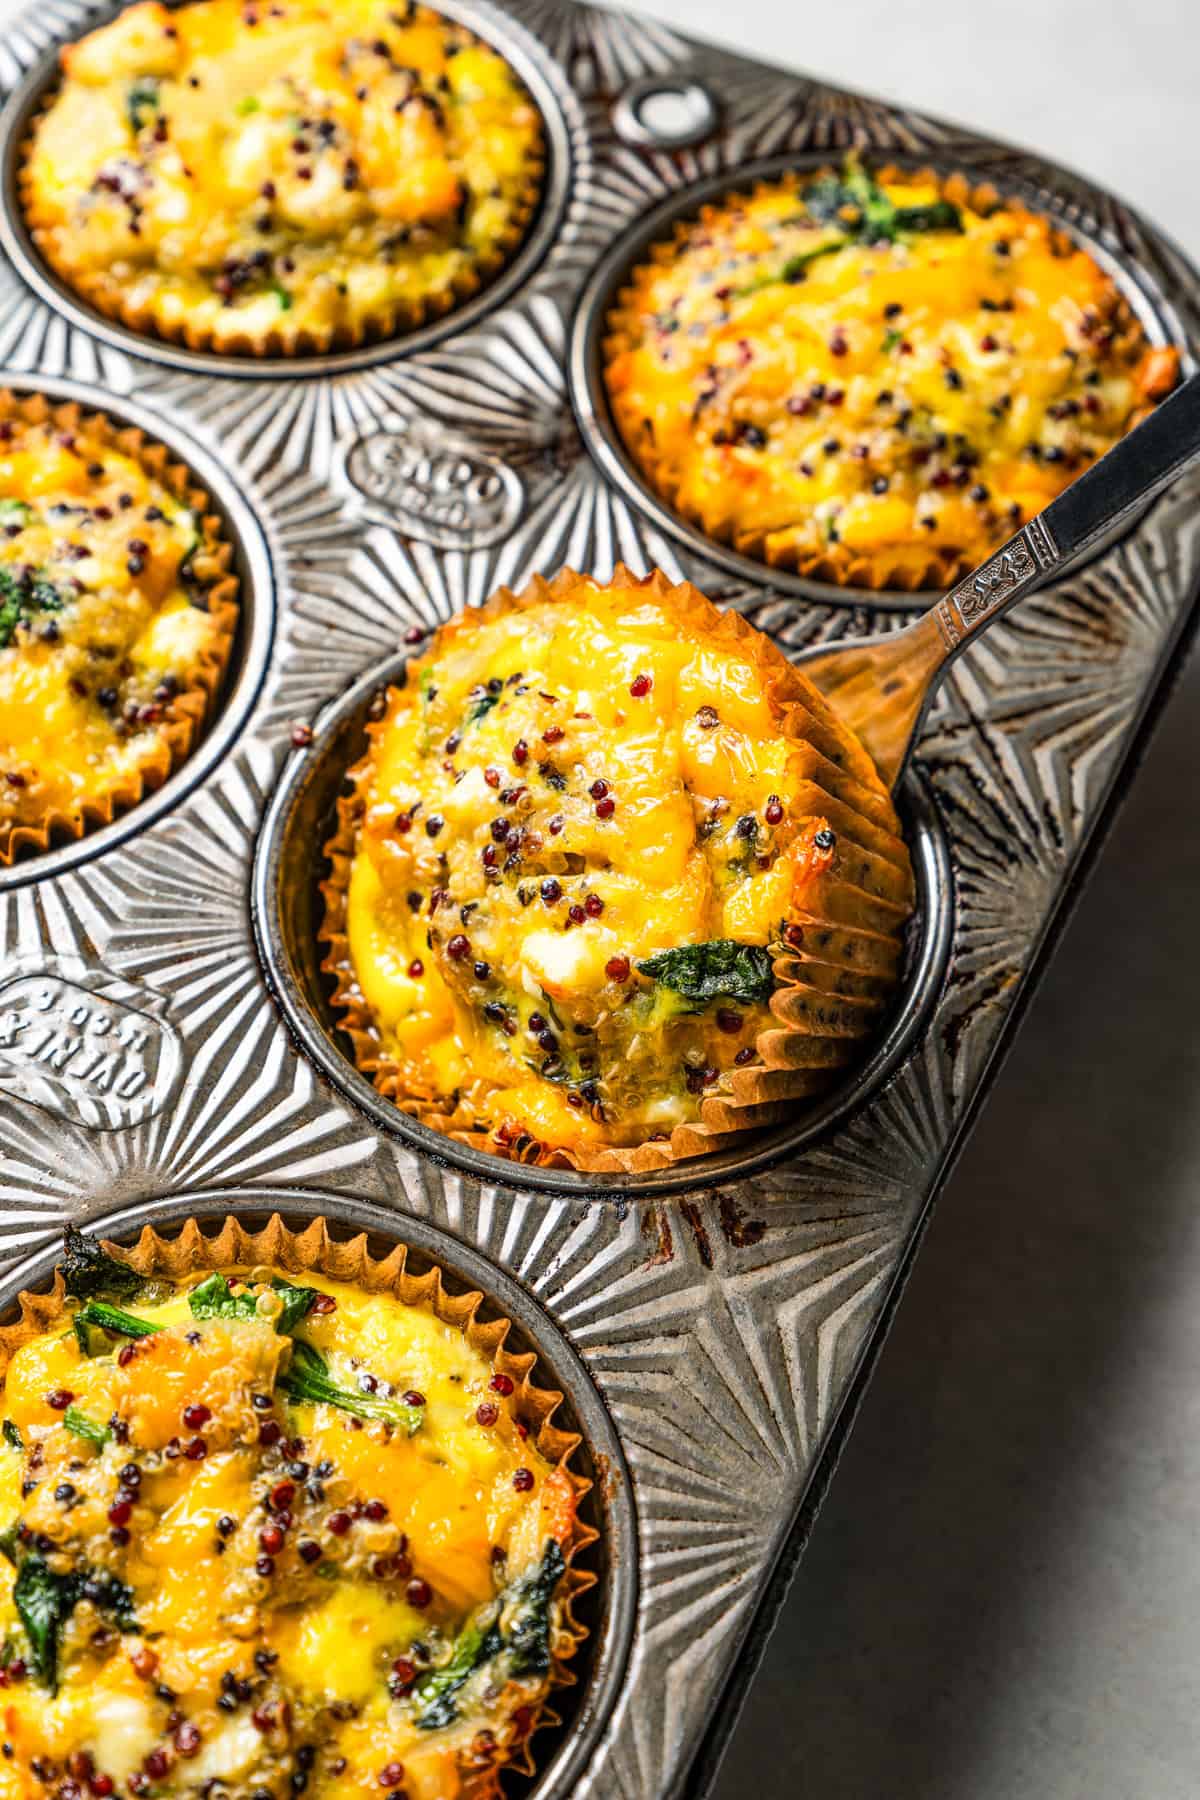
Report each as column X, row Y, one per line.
column 1131, row 473
column 882, row 686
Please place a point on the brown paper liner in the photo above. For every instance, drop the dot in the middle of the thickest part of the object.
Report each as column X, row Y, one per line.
column 315, row 1250
column 832, row 989
column 101, row 291
column 838, row 563
column 184, row 716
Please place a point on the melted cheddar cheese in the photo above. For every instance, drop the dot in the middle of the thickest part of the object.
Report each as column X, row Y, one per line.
column 104, row 619
column 270, row 175
column 562, row 795
column 871, row 381
column 219, row 1583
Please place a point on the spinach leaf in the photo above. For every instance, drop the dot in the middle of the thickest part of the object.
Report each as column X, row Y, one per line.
column 108, row 1594
column 476, row 1645
column 482, row 700
column 142, row 103
column 215, row 1299
column 307, row 1377
column 941, row 215
column 12, row 1435
column 44, row 1602
column 21, row 597
column 529, row 1628
column 14, row 512
column 720, row 969
column 516, row 1628
column 858, row 206
column 86, row 1428
column 89, row 1271
column 98, row 1316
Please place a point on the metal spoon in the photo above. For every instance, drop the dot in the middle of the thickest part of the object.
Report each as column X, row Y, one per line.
column 882, row 686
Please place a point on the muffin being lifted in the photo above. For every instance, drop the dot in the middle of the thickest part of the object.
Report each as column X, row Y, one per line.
column 280, row 178
column 612, row 882
column 873, row 379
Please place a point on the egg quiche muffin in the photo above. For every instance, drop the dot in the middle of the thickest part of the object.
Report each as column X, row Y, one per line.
column 873, row 379
column 117, row 617
column 274, row 1527
column 281, row 175
column 611, row 882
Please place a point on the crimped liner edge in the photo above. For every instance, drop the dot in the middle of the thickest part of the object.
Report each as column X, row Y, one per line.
column 831, row 993
column 317, row 1250
column 834, row 563
column 187, row 713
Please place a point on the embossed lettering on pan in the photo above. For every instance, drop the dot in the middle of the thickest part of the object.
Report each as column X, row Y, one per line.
column 87, row 1046
column 433, row 485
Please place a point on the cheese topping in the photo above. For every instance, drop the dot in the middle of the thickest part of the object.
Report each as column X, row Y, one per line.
column 582, row 834
column 268, row 1539
column 104, row 618
column 870, row 380
column 284, row 172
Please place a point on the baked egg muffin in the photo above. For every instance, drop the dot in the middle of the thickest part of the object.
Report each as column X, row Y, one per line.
column 272, row 1530
column 273, row 178
column 873, row 379
column 611, row 882
column 117, row 618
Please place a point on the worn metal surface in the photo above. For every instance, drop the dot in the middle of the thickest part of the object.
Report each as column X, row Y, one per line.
column 141, row 1054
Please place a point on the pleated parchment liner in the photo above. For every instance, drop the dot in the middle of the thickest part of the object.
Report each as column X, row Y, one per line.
column 234, row 1250
column 833, row 986
column 184, row 716
column 110, row 295
column 834, row 562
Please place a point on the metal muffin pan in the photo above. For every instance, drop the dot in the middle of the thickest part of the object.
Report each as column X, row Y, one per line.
column 287, row 910
column 609, row 1608
column 590, row 328
column 145, row 1065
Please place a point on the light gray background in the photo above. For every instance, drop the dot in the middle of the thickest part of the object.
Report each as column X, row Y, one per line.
column 1001, row 1600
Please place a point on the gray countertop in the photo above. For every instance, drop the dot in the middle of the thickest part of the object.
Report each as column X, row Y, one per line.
column 1002, row 1594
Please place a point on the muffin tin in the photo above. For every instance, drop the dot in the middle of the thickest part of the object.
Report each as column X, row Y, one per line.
column 164, row 1052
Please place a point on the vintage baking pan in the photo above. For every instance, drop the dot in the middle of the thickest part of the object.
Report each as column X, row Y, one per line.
column 165, row 1041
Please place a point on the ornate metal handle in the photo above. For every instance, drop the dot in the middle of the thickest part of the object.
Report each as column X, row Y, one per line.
column 1131, row 473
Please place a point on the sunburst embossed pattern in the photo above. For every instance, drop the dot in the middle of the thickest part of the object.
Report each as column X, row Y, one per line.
column 724, row 1332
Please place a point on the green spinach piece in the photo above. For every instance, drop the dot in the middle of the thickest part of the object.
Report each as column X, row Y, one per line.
column 215, row 1299
column 516, row 1628
column 96, row 1316
column 90, row 1272
column 13, row 1436
column 307, row 1377
column 45, row 1601
column 858, row 206
column 482, row 700
column 21, row 597
column 86, row 1428
column 720, row 969
column 796, row 267
column 14, row 512
column 142, row 103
